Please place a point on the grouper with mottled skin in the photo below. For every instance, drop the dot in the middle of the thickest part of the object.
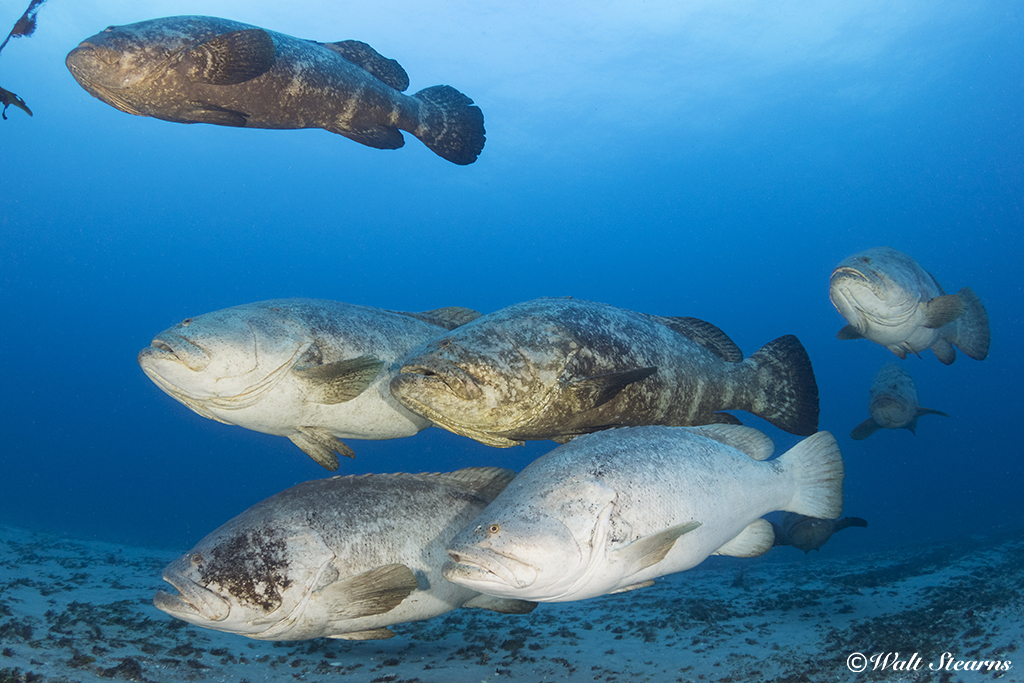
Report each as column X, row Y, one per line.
column 611, row 511
column 313, row 370
column 887, row 297
column 195, row 69
column 892, row 403
column 554, row 368
column 344, row 557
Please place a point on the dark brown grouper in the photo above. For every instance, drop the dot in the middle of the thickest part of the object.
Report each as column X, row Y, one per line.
column 554, row 368
column 810, row 533
column 194, row 69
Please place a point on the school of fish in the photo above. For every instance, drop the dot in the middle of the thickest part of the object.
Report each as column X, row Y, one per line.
column 651, row 474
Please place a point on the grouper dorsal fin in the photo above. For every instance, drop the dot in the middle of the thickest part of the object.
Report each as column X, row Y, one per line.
column 707, row 335
column 487, row 482
column 449, row 317
column 231, row 58
column 590, row 392
column 747, row 440
column 365, row 57
column 341, row 381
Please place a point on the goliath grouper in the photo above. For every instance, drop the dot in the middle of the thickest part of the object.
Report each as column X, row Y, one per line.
column 887, row 297
column 893, row 404
column 194, row 69
column 556, row 368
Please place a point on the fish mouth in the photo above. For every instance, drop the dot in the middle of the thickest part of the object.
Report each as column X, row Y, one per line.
column 193, row 602
column 176, row 349
column 487, row 567
column 456, row 379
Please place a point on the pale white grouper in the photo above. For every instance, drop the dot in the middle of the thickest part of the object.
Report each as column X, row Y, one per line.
column 887, row 297
column 610, row 511
column 893, row 403
column 312, row 370
column 344, row 557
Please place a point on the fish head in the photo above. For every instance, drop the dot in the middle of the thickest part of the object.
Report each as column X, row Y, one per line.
column 256, row 580
column 229, row 359
column 540, row 548
column 487, row 378
column 869, row 290
column 114, row 61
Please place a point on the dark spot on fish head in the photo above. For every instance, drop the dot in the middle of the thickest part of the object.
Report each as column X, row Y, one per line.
column 251, row 566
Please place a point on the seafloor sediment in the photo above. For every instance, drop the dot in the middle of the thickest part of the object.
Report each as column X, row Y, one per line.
column 73, row 610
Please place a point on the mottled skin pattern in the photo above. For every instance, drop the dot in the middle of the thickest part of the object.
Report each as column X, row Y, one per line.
column 160, row 68
column 566, row 527
column 887, row 297
column 893, row 403
column 238, row 366
column 810, row 533
column 277, row 571
column 514, row 375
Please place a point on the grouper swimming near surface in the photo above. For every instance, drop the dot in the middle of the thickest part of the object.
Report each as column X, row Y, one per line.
column 313, row 370
column 554, row 368
column 343, row 557
column 194, row 69
column 887, row 297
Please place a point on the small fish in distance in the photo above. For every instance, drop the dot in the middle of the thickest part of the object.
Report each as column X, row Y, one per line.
column 195, row 69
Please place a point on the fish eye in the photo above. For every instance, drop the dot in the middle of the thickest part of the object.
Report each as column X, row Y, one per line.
column 493, row 529
column 186, row 322
column 196, row 558
column 445, row 343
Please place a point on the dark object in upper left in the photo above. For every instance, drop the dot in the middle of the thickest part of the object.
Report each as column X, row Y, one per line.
column 194, row 69
column 24, row 26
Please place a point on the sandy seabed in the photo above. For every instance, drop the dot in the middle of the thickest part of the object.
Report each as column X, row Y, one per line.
column 81, row 611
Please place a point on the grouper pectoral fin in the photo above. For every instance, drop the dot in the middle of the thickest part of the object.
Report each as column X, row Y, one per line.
column 365, row 57
column 370, row 634
column 501, row 605
column 218, row 116
column 849, row 332
column 649, row 550
column 591, row 392
column 374, row 592
column 321, row 445
column 757, row 538
column 231, row 58
column 341, row 381
column 865, row 429
column 942, row 310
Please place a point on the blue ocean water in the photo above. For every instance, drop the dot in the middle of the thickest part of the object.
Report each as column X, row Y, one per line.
column 703, row 159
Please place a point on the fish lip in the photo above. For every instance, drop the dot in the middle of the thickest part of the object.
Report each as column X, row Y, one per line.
column 193, row 600
column 486, row 566
column 177, row 349
column 458, row 381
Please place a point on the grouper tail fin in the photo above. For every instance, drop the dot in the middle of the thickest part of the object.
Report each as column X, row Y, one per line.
column 784, row 391
column 816, row 466
column 450, row 125
column 971, row 334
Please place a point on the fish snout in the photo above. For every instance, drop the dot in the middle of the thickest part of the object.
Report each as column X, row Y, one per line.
column 193, row 602
column 173, row 348
column 488, row 567
column 460, row 382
